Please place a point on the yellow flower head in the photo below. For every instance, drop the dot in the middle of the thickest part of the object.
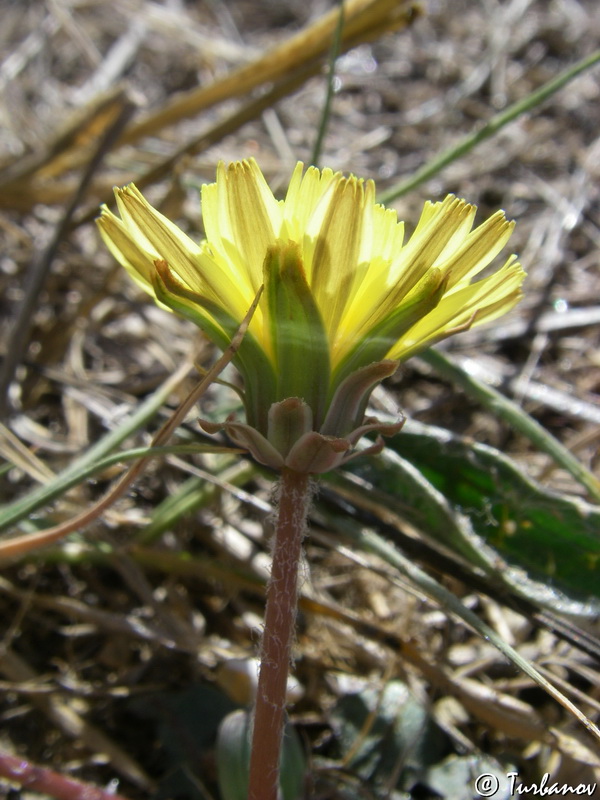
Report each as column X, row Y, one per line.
column 342, row 289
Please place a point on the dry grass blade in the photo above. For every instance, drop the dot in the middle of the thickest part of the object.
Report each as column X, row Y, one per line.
column 110, row 623
column 364, row 21
column 33, row 178
column 15, row 452
column 215, row 134
column 28, row 180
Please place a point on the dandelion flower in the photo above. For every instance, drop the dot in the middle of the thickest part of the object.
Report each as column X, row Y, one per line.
column 343, row 290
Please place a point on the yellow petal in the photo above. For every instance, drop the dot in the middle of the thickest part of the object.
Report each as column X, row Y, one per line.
column 441, row 226
column 465, row 307
column 241, row 219
column 138, row 262
column 477, row 250
column 335, row 256
column 156, row 234
column 306, row 201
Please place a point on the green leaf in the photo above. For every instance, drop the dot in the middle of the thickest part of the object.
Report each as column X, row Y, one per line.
column 477, row 502
column 233, row 759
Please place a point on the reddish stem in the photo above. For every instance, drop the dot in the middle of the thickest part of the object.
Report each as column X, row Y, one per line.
column 31, row 777
column 280, row 619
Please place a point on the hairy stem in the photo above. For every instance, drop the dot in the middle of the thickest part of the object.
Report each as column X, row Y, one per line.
column 280, row 619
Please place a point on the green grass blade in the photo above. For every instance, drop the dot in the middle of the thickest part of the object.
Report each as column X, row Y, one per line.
column 490, row 128
column 12, row 513
column 62, row 486
column 326, row 112
column 510, row 412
